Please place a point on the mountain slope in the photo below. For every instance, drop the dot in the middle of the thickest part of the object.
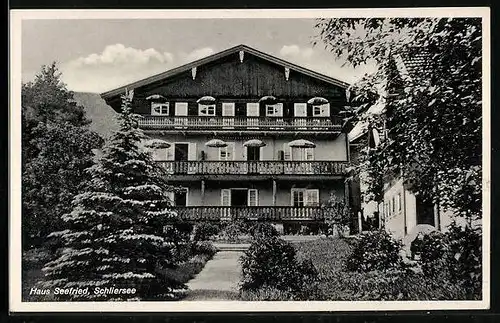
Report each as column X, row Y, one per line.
column 103, row 117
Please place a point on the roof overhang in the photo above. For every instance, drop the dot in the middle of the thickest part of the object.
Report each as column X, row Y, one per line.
column 216, row 56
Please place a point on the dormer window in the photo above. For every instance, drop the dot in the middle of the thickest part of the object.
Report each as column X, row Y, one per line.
column 274, row 110
column 322, row 110
column 159, row 109
column 206, row 109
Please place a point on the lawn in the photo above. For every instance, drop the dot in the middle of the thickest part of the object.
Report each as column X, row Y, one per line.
column 336, row 283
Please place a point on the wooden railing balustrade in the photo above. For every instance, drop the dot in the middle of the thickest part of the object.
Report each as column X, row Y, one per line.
column 151, row 122
column 261, row 167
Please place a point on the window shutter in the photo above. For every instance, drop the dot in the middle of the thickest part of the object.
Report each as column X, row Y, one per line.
column 192, row 151
column 160, row 154
column 171, row 198
column 279, row 108
column 253, row 197
column 225, row 197
column 300, row 109
column 309, row 153
column 312, row 197
column 227, row 109
column 286, row 152
column 245, row 152
column 181, row 108
column 170, row 152
column 325, row 110
column 252, row 109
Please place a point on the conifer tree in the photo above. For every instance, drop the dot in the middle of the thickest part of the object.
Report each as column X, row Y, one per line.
column 115, row 236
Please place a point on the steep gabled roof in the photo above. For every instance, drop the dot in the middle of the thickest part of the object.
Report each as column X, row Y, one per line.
column 414, row 61
column 216, row 56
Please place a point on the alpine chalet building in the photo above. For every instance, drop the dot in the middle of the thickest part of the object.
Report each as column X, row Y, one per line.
column 249, row 136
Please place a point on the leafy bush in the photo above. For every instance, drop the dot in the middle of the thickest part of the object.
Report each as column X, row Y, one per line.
column 456, row 255
column 272, row 263
column 389, row 285
column 233, row 231
column 465, row 257
column 263, row 230
column 203, row 248
column 432, row 250
column 329, row 257
column 375, row 251
column 205, row 231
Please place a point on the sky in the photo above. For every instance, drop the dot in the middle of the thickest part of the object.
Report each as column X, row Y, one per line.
column 102, row 54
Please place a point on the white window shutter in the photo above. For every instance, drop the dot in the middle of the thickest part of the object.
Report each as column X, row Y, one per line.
column 253, row 197
column 309, row 153
column 286, row 152
column 227, row 109
column 312, row 197
column 325, row 110
column 192, row 151
column 279, row 108
column 252, row 109
column 181, row 109
column 225, row 197
column 300, row 109
column 171, row 198
column 170, row 152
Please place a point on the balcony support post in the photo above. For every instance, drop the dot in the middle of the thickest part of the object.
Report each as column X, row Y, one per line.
column 274, row 192
column 202, row 192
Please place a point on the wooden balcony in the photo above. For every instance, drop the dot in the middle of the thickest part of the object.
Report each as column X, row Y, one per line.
column 149, row 122
column 253, row 213
column 263, row 167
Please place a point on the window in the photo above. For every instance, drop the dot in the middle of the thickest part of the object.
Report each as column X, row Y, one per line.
column 206, row 110
column 321, row 110
column 297, row 198
column 159, row 109
column 227, row 153
column 271, row 110
column 253, row 197
column 305, row 197
column 398, row 200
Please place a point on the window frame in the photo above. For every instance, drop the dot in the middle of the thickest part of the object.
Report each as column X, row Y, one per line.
column 209, row 107
column 161, row 105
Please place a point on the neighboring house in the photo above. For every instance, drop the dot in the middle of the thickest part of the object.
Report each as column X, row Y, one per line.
column 245, row 142
column 402, row 212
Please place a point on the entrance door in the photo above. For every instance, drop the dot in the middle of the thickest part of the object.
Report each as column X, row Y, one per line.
column 425, row 212
column 181, row 157
column 180, row 198
column 253, row 153
column 239, row 197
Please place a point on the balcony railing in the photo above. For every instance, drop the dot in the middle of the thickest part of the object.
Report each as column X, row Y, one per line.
column 240, row 123
column 263, row 213
column 264, row 167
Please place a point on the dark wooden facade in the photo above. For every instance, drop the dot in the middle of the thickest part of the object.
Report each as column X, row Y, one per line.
column 230, row 80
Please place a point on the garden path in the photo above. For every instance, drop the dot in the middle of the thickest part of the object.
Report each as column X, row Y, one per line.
column 218, row 281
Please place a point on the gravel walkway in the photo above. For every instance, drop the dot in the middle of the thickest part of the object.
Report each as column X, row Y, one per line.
column 218, row 280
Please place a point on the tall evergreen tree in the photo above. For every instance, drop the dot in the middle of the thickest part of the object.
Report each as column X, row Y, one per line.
column 116, row 228
column 57, row 147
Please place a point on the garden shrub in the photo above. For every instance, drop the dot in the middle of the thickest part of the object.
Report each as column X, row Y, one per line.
column 232, row 231
column 203, row 248
column 263, row 230
column 455, row 255
column 205, row 231
column 432, row 251
column 375, row 251
column 465, row 258
column 272, row 263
